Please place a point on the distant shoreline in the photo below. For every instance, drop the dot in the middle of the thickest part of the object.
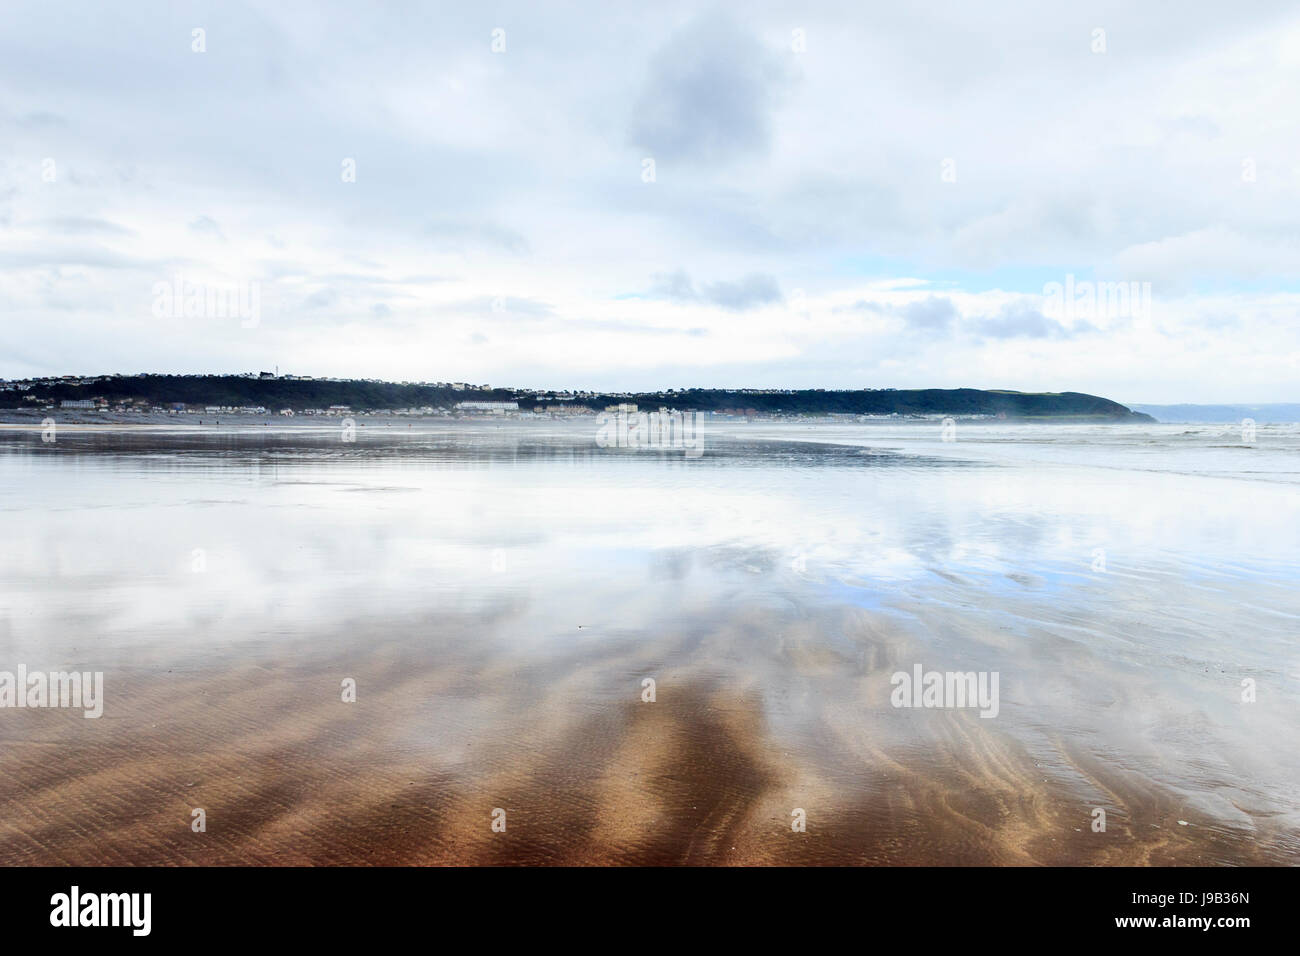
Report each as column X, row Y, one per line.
column 24, row 419
column 271, row 394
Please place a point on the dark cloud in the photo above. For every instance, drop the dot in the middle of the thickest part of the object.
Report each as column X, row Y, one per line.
column 674, row 286
column 747, row 293
column 1020, row 320
column 751, row 291
column 709, row 94
column 1015, row 320
column 935, row 314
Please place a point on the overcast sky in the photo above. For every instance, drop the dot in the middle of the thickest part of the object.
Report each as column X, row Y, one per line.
column 659, row 195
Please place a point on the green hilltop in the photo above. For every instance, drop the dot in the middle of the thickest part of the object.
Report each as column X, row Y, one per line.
column 299, row 393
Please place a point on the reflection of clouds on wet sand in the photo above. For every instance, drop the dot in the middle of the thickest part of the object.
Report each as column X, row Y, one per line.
column 446, row 728
column 499, row 595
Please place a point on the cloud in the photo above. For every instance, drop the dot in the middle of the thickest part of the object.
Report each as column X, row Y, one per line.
column 933, row 314
column 55, row 255
column 320, row 299
column 1182, row 261
column 41, row 120
column 673, row 286
column 460, row 235
column 85, row 225
column 749, row 292
column 518, row 175
column 500, row 305
column 206, row 226
column 709, row 95
column 1020, row 320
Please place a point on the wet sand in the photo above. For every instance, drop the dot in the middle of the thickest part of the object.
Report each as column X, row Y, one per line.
column 503, row 668
column 587, row 772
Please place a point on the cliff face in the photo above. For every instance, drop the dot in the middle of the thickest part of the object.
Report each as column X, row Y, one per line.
column 277, row 393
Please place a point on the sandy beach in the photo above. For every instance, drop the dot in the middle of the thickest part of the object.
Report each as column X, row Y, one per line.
column 289, row 775
column 499, row 650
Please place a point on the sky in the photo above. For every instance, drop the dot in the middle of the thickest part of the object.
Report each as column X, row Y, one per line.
column 1097, row 197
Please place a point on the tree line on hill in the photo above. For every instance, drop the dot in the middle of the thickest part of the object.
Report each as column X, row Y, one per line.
column 363, row 395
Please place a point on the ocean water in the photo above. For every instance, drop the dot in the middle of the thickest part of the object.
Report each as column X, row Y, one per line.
column 501, row 593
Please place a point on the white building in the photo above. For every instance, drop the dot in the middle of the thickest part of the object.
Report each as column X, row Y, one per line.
column 494, row 408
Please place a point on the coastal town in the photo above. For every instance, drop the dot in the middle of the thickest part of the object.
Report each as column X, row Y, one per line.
column 203, row 398
column 30, row 393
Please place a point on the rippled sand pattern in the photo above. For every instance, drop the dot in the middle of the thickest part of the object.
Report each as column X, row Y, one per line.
column 288, row 774
column 500, row 615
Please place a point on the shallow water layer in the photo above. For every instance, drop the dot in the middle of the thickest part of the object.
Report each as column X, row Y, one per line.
column 501, row 593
